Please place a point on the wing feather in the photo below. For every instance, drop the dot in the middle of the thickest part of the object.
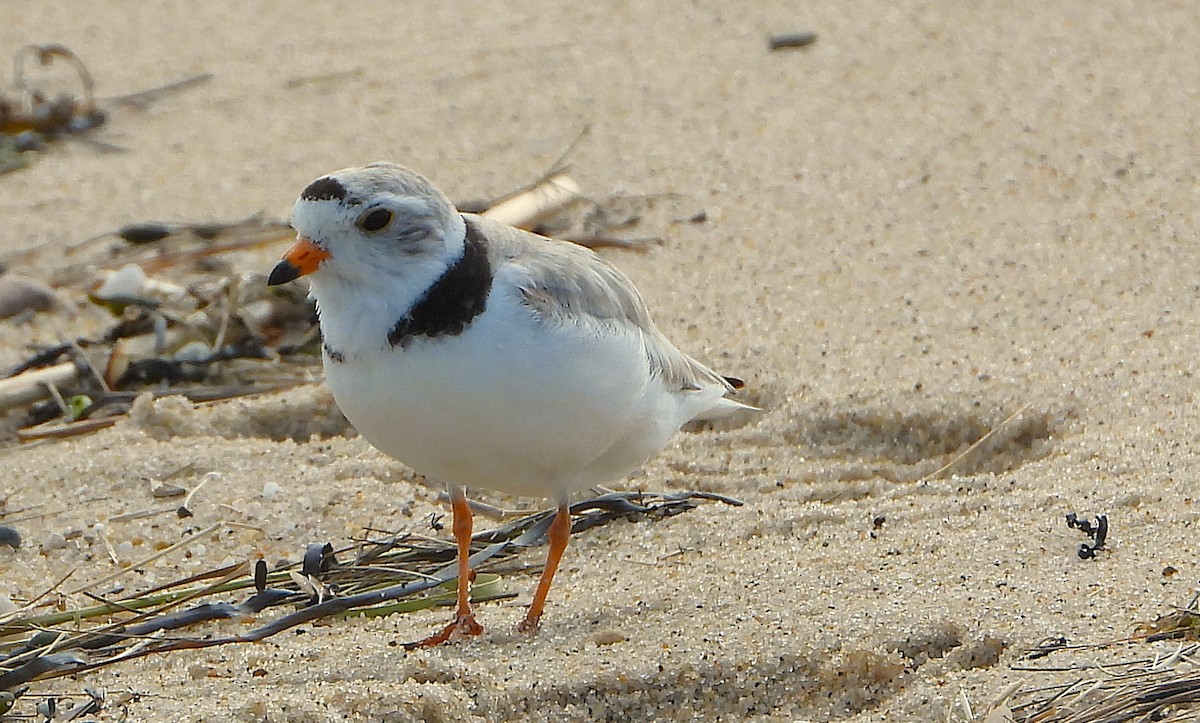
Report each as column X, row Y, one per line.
column 563, row 283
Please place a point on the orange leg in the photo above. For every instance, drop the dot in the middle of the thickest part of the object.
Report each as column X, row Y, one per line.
column 559, row 533
column 464, row 621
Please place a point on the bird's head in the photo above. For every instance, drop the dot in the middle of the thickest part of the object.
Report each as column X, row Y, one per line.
column 358, row 224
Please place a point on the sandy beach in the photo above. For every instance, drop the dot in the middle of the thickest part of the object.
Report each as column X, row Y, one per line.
column 939, row 221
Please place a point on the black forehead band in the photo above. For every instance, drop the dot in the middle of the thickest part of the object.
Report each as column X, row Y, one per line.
column 328, row 189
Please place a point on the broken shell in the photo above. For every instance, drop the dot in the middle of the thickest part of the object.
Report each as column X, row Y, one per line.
column 126, row 283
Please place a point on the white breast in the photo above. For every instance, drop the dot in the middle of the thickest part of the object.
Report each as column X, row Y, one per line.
column 510, row 404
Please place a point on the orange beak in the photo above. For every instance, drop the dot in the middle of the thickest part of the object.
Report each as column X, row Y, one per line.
column 302, row 259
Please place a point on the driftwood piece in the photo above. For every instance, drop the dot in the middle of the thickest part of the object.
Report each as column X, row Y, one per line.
column 530, row 207
column 32, row 385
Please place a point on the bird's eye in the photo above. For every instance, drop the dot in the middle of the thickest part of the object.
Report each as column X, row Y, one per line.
column 376, row 220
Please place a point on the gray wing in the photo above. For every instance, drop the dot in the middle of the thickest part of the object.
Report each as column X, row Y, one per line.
column 563, row 283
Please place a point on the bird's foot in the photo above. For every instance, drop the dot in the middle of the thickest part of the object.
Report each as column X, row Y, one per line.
column 463, row 626
column 530, row 625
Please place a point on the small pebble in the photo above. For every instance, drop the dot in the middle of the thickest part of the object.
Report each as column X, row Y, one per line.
column 85, row 122
column 270, row 490
column 29, row 141
column 20, row 293
column 141, row 233
column 54, row 542
column 166, row 491
column 791, row 40
column 9, row 536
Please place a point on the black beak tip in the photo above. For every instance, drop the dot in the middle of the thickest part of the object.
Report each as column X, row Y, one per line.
column 283, row 272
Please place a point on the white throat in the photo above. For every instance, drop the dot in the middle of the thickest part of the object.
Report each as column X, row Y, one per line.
column 357, row 312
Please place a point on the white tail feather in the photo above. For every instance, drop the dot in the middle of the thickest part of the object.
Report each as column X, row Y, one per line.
column 723, row 408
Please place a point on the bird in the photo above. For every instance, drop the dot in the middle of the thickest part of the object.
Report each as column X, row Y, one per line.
column 485, row 356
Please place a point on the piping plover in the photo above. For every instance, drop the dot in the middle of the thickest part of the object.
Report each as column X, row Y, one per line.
column 481, row 355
